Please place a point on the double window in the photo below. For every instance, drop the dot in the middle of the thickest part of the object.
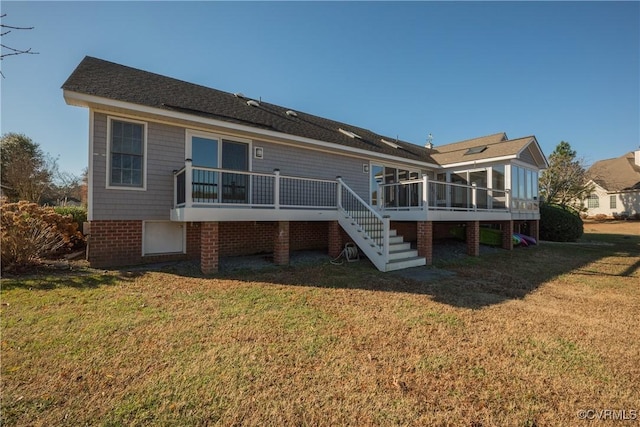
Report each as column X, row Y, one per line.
column 126, row 161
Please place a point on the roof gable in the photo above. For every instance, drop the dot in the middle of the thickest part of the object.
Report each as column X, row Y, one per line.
column 491, row 147
column 618, row 174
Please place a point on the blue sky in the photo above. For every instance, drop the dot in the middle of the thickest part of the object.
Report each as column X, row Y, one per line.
column 558, row 70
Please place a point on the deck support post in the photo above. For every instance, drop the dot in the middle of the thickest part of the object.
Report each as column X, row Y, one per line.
column 334, row 238
column 281, row 243
column 534, row 229
column 507, row 235
column 425, row 240
column 473, row 238
column 209, row 247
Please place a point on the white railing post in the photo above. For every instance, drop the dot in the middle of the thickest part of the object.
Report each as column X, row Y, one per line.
column 474, row 195
column 276, row 188
column 339, row 192
column 425, row 192
column 188, row 183
column 507, row 199
column 175, row 189
column 385, row 238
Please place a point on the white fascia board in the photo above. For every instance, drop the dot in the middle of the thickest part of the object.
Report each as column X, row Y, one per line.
column 83, row 100
column 479, row 162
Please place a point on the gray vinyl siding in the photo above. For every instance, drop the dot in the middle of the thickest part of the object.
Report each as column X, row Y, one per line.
column 296, row 161
column 527, row 157
column 165, row 152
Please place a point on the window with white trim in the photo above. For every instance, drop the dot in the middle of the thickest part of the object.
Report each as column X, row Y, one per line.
column 126, row 153
column 593, row 201
column 612, row 201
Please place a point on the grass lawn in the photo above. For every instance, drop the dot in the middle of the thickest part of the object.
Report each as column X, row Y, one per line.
column 528, row 337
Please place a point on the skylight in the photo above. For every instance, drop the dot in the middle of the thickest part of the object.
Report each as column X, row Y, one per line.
column 349, row 133
column 476, row 150
column 390, row 144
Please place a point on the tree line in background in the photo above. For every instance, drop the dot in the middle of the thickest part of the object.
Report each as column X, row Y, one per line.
column 27, row 173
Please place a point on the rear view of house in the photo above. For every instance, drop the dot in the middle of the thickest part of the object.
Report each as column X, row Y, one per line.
column 181, row 171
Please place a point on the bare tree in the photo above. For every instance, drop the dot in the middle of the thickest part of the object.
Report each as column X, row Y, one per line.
column 9, row 50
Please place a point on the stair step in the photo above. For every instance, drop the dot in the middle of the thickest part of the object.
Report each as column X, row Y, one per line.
column 403, row 254
column 405, row 263
column 398, row 247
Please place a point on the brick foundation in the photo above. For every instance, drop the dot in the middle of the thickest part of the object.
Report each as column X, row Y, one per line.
column 424, row 231
column 113, row 243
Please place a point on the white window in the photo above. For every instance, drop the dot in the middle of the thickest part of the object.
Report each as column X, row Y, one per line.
column 126, row 161
column 612, row 202
column 593, row 201
column 163, row 237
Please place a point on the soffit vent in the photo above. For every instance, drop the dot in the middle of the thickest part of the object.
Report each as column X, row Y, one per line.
column 253, row 103
column 291, row 113
column 349, row 133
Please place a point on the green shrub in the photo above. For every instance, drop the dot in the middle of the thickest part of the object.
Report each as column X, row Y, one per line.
column 31, row 232
column 559, row 225
column 78, row 214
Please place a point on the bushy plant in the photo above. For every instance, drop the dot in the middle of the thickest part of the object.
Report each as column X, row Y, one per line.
column 31, row 232
column 559, row 224
column 78, row 214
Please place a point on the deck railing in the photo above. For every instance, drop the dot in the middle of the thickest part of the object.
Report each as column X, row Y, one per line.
column 202, row 186
column 215, row 187
column 424, row 194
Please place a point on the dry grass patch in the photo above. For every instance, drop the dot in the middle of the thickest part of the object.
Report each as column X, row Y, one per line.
column 520, row 338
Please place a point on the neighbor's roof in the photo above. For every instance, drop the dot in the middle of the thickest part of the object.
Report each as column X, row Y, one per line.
column 113, row 81
column 617, row 174
column 489, row 147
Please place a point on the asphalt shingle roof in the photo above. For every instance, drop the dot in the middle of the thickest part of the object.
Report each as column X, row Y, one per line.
column 497, row 145
column 106, row 79
column 617, row 174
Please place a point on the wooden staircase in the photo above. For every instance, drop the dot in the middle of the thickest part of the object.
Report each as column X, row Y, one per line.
column 371, row 233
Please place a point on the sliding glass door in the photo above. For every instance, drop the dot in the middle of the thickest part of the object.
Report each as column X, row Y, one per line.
column 211, row 186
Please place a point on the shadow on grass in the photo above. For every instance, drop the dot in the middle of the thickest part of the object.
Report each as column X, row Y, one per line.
column 470, row 282
column 48, row 280
column 462, row 281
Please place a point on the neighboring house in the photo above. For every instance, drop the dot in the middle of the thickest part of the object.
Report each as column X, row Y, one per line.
column 616, row 186
column 182, row 171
